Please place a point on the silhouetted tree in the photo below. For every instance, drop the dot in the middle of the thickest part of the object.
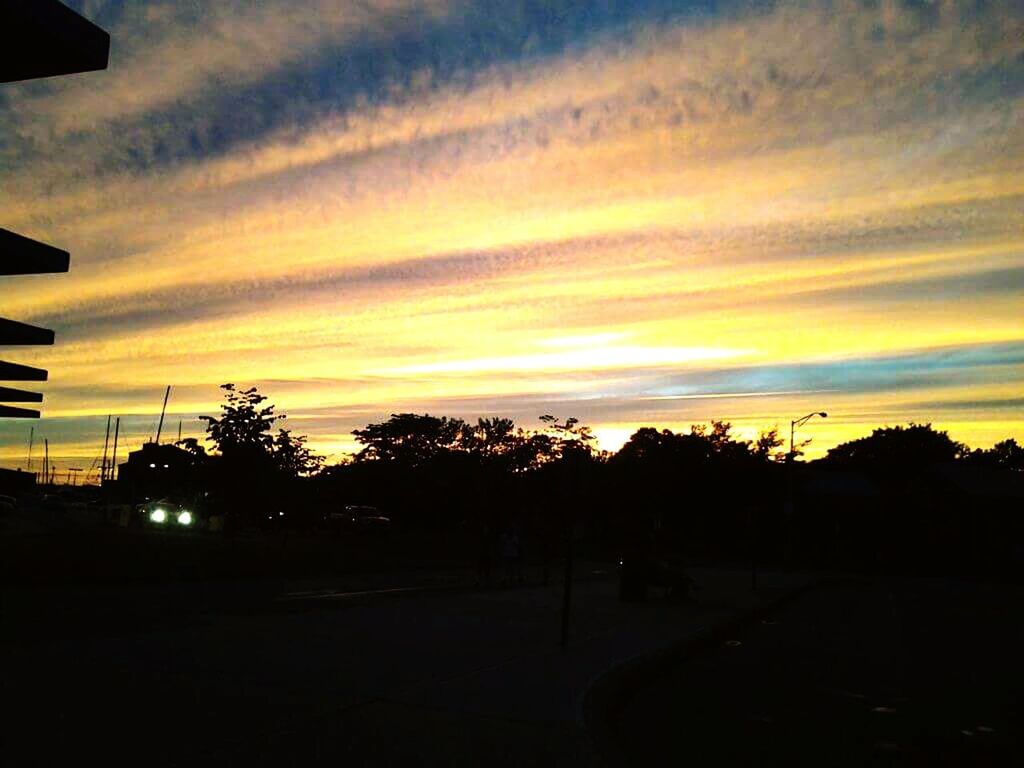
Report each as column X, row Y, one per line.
column 243, row 429
column 498, row 444
column 767, row 445
column 194, row 447
column 695, row 489
column 255, row 472
column 411, row 438
column 568, row 438
column 1006, row 454
column 647, row 444
column 491, row 437
column 667, row 450
column 292, row 457
column 895, row 448
column 724, row 445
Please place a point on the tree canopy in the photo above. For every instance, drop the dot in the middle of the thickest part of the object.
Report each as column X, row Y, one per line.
column 242, row 433
column 1006, row 454
column 292, row 457
column 890, row 448
column 244, row 426
column 411, row 439
column 703, row 444
column 415, row 440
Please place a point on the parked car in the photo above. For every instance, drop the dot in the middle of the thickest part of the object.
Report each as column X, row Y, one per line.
column 8, row 504
column 358, row 518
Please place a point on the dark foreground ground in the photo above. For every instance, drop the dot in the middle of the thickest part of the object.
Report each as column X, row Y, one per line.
column 927, row 672
column 359, row 670
column 133, row 649
column 115, row 556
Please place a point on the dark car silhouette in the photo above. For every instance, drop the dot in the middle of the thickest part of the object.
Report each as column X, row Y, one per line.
column 361, row 518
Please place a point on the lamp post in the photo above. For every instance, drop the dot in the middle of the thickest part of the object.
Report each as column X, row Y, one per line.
column 790, row 459
column 799, row 423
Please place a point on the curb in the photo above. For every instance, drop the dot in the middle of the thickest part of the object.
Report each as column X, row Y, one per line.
column 606, row 697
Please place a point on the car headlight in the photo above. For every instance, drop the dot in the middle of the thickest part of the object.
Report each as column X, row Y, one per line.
column 185, row 518
column 158, row 516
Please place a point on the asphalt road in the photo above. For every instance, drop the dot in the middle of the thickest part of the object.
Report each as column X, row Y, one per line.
column 925, row 672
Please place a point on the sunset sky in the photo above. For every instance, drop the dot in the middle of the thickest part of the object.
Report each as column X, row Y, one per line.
column 635, row 213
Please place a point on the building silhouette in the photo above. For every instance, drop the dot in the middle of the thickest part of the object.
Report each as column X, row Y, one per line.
column 40, row 38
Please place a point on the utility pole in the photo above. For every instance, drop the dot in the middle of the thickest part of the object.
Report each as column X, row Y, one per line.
column 46, row 460
column 31, row 439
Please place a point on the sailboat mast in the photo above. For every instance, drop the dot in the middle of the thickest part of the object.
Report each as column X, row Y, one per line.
column 163, row 410
column 113, row 460
column 106, row 441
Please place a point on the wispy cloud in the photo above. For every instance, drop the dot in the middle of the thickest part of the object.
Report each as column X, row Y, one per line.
column 478, row 205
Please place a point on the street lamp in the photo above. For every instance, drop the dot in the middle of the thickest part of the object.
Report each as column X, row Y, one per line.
column 790, row 461
column 799, row 423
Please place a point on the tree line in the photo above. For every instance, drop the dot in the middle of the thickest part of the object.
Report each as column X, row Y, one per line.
column 243, row 434
column 705, row 489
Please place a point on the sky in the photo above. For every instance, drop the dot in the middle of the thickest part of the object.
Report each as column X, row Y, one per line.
column 644, row 213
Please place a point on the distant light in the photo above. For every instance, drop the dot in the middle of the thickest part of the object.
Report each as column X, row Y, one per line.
column 185, row 518
column 152, row 466
column 166, row 466
column 280, row 514
column 158, row 516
